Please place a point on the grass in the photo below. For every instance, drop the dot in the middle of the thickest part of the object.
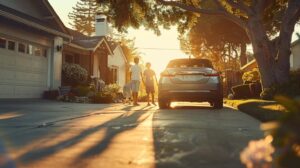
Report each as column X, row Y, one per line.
column 262, row 110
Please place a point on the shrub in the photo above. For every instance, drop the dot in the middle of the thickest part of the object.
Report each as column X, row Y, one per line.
column 287, row 134
column 82, row 91
column 111, row 89
column 103, row 98
column 74, row 74
column 251, row 76
column 292, row 88
column 241, row 91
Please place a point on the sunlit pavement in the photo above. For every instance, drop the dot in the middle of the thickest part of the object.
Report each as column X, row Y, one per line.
column 42, row 134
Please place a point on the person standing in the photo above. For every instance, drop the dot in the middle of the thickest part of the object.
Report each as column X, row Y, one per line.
column 136, row 77
column 149, row 75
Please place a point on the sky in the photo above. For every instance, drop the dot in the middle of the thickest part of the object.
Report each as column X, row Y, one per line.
column 157, row 50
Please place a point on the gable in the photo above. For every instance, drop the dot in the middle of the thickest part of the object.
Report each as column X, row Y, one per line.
column 36, row 11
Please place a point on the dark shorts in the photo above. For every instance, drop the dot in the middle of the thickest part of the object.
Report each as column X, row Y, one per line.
column 150, row 89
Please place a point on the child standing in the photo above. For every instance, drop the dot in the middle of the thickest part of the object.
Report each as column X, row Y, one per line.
column 150, row 76
column 136, row 77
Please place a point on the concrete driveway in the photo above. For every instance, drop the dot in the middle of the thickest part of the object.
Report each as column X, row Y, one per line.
column 46, row 134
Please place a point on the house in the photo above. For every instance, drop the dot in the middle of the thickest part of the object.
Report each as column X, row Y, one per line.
column 90, row 53
column 31, row 40
column 102, row 58
column 118, row 64
column 295, row 56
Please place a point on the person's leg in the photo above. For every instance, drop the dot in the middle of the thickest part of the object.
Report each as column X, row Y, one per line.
column 153, row 101
column 148, row 98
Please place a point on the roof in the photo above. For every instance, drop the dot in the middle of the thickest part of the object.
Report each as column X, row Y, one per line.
column 113, row 45
column 84, row 40
column 50, row 23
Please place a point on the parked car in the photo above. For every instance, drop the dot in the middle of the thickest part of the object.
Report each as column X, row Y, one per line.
column 193, row 80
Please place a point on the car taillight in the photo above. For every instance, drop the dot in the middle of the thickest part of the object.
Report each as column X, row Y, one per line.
column 212, row 75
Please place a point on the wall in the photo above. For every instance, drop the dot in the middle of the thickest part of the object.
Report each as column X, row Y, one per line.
column 295, row 57
column 117, row 60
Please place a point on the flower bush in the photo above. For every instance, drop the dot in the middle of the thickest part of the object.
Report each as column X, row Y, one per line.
column 284, row 136
column 258, row 154
column 74, row 74
column 251, row 76
column 108, row 94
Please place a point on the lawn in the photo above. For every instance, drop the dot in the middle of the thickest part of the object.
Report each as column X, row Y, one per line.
column 262, row 110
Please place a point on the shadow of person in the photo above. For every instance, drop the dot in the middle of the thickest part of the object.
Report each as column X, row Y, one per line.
column 126, row 121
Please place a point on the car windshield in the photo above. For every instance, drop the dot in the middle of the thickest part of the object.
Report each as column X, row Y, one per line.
column 190, row 63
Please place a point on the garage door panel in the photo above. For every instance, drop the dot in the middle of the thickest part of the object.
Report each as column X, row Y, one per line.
column 7, row 60
column 28, row 91
column 22, row 76
column 7, row 75
column 7, row 91
column 31, row 79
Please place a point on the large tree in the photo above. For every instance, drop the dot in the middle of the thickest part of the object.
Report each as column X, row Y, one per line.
column 83, row 16
column 269, row 24
column 218, row 39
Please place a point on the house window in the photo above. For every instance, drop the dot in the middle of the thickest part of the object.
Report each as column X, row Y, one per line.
column 76, row 59
column 72, row 59
column 114, row 73
column 37, row 51
column 69, row 58
column 21, row 47
column 2, row 43
column 11, row 45
column 29, row 49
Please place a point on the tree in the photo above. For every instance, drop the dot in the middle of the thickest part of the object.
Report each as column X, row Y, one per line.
column 219, row 40
column 269, row 25
column 83, row 16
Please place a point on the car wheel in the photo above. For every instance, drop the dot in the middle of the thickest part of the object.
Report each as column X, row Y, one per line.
column 163, row 104
column 218, row 104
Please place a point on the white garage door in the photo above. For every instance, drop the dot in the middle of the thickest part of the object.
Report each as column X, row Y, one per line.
column 22, row 75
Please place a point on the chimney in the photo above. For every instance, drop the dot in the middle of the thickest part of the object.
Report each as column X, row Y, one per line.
column 101, row 25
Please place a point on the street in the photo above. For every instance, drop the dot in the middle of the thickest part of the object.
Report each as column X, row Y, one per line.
column 47, row 134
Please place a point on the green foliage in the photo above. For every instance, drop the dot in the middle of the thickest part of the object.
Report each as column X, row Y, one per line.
column 108, row 94
column 74, row 74
column 82, row 91
column 287, row 134
column 83, row 16
column 292, row 88
column 251, row 76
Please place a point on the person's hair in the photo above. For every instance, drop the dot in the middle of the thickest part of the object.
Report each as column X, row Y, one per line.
column 148, row 64
column 136, row 60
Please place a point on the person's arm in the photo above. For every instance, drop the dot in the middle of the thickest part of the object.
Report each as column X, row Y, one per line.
column 154, row 74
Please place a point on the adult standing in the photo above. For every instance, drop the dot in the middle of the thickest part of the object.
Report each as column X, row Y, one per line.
column 136, row 76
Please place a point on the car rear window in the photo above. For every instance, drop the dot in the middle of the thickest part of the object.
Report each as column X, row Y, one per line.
column 190, row 63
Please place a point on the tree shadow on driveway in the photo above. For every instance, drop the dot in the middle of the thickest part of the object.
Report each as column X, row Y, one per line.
column 126, row 121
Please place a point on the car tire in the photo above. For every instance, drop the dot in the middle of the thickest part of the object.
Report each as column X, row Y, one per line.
column 163, row 104
column 218, row 104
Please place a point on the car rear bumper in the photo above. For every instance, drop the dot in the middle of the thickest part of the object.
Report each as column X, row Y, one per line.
column 189, row 95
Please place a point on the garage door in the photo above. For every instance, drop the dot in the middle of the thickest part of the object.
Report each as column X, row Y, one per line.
column 22, row 75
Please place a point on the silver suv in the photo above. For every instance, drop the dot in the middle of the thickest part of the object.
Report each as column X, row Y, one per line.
column 193, row 80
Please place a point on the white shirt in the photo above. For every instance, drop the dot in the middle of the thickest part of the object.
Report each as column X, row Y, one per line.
column 136, row 71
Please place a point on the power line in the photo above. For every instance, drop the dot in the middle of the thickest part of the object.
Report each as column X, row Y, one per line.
column 170, row 49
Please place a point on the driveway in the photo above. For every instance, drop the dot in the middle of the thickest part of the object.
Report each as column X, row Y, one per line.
column 46, row 134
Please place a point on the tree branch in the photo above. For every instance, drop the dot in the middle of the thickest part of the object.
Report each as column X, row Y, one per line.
column 221, row 12
column 241, row 6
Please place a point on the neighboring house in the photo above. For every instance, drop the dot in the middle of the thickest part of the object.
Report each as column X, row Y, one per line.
column 89, row 52
column 31, row 39
column 295, row 56
column 101, row 58
column 117, row 64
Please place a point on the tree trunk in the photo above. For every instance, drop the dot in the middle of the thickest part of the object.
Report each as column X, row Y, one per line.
column 263, row 52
